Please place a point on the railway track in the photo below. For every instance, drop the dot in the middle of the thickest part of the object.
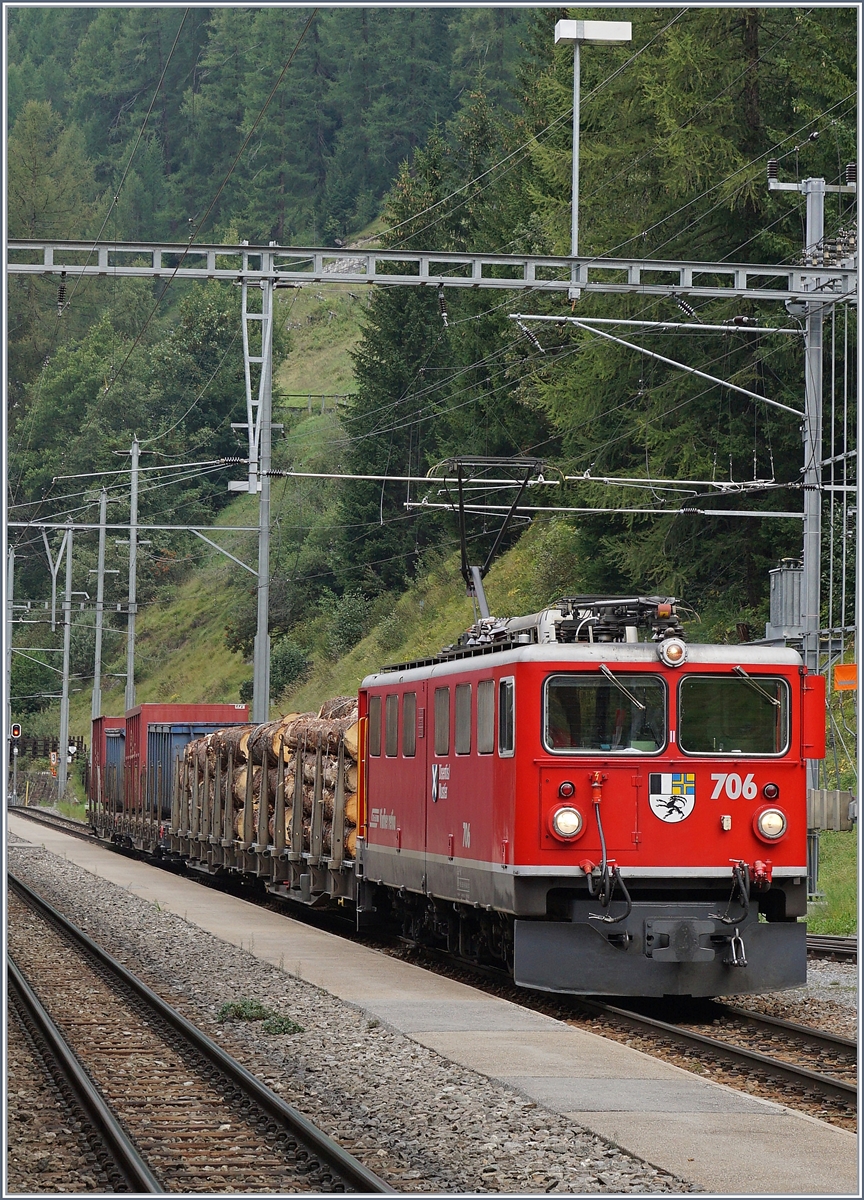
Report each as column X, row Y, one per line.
column 196, row 1119
column 56, row 821
column 736, row 1033
column 832, row 946
column 735, row 1049
column 116, row 1156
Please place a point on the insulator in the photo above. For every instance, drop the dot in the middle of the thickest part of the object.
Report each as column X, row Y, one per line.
column 773, row 168
column 851, row 174
column 531, row 337
column 685, row 307
column 443, row 307
column 61, row 295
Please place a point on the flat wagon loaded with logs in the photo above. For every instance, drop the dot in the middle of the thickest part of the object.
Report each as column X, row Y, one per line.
column 279, row 800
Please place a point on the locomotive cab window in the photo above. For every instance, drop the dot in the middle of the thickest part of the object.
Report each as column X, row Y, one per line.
column 391, row 725
column 722, row 714
column 409, row 725
column 442, row 720
column 506, row 718
column 594, row 714
column 375, row 725
column 485, row 716
column 463, row 718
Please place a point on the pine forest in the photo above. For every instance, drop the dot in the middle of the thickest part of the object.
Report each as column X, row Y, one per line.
column 417, row 128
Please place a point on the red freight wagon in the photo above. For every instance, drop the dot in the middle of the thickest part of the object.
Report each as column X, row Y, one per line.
column 154, row 727
column 106, row 764
column 603, row 814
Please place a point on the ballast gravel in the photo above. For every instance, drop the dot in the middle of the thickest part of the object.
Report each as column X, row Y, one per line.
column 829, row 1001
column 47, row 1152
column 421, row 1122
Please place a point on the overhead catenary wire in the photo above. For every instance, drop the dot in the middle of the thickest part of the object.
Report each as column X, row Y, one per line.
column 430, row 415
column 672, row 363
column 688, row 510
column 424, row 479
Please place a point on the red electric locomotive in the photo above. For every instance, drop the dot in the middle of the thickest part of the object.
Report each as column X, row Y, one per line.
column 584, row 796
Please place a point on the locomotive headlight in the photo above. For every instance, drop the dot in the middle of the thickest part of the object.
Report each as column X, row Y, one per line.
column 567, row 823
column 672, row 652
column 770, row 824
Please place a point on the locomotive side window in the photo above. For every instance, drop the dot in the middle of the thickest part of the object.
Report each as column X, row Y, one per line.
column 409, row 725
column 506, row 721
column 391, row 725
column 591, row 714
column 375, row 725
column 723, row 715
column 463, row 718
column 442, row 720
column 486, row 716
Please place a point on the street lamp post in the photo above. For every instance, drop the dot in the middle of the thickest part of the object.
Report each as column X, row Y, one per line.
column 593, row 33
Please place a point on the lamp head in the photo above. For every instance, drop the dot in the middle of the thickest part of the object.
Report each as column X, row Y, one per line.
column 595, row 33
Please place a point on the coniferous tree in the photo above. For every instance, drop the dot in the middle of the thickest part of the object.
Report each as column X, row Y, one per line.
column 673, row 155
column 51, row 193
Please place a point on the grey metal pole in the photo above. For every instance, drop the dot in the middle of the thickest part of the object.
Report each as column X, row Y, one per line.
column 133, row 557
column 574, row 208
column 14, row 796
column 54, row 567
column 96, row 706
column 261, row 663
column 62, row 765
column 859, row 608
column 812, row 438
column 10, row 612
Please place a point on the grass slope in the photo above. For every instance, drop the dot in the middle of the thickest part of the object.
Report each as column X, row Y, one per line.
column 837, row 912
column 324, row 326
column 435, row 610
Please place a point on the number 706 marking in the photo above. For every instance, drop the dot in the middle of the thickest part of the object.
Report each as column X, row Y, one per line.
column 734, row 786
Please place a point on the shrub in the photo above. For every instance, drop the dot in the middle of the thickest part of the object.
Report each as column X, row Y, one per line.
column 289, row 663
column 347, row 621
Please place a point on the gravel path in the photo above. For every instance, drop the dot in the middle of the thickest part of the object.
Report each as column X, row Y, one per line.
column 421, row 1122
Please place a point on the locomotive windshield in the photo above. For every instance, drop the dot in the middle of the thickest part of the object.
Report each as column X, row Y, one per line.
column 589, row 713
column 723, row 715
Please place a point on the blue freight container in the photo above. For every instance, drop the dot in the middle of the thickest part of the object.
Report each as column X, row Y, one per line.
column 166, row 743
column 115, row 753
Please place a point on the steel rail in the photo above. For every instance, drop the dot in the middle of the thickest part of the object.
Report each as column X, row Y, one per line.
column 833, row 944
column 817, row 1037
column 838, row 1089
column 350, row 1170
column 137, row 1174
column 53, row 821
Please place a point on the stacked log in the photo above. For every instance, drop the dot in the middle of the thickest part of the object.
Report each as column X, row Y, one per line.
column 249, row 760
